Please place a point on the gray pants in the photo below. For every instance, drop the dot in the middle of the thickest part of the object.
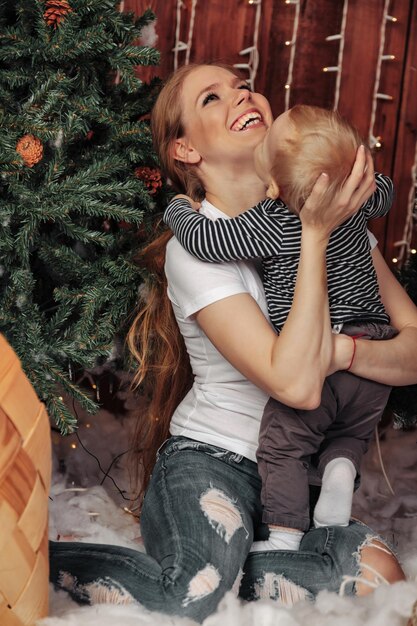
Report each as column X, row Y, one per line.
column 289, row 439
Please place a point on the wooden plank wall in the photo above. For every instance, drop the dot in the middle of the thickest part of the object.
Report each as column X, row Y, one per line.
column 223, row 28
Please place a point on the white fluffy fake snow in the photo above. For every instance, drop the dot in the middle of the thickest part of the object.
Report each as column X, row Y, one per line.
column 95, row 514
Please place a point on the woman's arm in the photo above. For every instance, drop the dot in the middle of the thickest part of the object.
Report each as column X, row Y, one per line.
column 290, row 367
column 393, row 362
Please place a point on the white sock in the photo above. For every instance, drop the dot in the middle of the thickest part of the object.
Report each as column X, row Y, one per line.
column 279, row 540
column 335, row 502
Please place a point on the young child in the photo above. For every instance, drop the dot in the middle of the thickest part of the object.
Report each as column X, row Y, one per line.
column 301, row 144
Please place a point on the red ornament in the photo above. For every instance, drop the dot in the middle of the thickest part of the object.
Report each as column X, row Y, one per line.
column 151, row 176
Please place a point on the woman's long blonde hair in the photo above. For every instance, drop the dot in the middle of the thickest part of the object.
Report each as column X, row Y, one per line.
column 154, row 339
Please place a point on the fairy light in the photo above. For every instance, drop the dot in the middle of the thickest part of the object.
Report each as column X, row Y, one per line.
column 253, row 62
column 338, row 68
column 373, row 140
column 293, row 43
column 181, row 46
column 404, row 244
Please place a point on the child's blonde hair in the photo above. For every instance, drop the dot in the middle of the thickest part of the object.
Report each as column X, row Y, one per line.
column 322, row 141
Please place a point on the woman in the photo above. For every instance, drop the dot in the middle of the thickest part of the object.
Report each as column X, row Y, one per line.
column 202, row 510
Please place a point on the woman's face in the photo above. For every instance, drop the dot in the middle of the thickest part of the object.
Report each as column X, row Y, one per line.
column 223, row 120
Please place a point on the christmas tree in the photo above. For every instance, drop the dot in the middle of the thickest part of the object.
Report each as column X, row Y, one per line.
column 78, row 176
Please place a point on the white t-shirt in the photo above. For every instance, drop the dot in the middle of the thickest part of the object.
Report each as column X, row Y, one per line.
column 222, row 408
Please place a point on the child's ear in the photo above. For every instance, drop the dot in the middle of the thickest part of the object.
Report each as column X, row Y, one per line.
column 183, row 151
column 273, row 190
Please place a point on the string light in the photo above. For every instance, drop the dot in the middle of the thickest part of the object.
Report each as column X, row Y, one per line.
column 375, row 141
column 338, row 68
column 252, row 65
column 181, row 46
column 404, row 244
column 293, row 43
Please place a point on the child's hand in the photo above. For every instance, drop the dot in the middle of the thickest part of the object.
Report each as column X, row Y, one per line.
column 195, row 205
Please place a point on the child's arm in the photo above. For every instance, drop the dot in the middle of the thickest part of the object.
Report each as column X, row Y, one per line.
column 254, row 233
column 380, row 202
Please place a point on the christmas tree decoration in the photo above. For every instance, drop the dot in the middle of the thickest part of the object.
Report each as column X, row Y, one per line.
column 340, row 37
column 30, row 149
column 55, row 11
column 182, row 46
column 68, row 280
column 373, row 140
column 151, row 176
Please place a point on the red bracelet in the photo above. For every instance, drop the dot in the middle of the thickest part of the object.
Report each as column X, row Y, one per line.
column 354, row 338
column 353, row 353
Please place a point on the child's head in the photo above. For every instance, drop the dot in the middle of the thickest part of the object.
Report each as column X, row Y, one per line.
column 301, row 144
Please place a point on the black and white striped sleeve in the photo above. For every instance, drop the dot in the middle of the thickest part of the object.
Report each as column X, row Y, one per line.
column 380, row 202
column 253, row 233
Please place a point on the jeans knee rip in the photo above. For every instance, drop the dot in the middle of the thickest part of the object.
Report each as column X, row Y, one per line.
column 101, row 591
column 277, row 587
column 369, row 542
column 236, row 584
column 202, row 584
column 222, row 514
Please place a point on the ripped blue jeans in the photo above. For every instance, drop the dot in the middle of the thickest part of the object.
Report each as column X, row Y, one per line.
column 200, row 513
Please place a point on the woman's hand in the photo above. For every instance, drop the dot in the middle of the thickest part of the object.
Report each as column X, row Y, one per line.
column 324, row 215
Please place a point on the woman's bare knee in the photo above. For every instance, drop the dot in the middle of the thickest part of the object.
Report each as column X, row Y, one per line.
column 377, row 564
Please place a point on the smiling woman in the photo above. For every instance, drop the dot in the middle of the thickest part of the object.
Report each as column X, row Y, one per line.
column 202, row 509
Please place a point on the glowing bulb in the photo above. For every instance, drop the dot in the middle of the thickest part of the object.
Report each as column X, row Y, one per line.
column 287, row 86
column 94, row 386
column 390, row 18
column 73, row 446
column 88, row 425
column 288, row 43
column 60, row 398
column 413, row 251
column 395, row 260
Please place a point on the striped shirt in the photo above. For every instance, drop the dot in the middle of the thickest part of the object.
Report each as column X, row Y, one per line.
column 269, row 230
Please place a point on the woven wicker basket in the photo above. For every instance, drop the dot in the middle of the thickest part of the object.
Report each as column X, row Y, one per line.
column 25, row 469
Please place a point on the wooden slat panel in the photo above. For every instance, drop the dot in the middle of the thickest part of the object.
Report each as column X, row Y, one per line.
column 405, row 146
column 222, row 29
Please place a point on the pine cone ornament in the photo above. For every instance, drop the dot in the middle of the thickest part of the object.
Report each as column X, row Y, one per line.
column 30, row 149
column 55, row 11
column 151, row 176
